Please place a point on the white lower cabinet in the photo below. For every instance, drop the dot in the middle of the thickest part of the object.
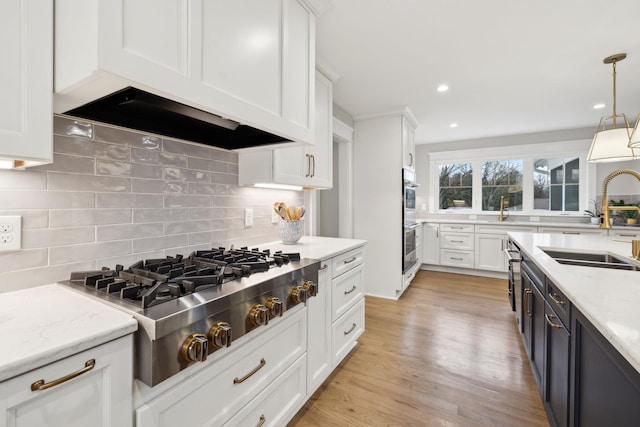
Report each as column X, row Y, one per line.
column 99, row 396
column 346, row 290
column 233, row 381
column 319, row 330
column 345, row 332
column 340, row 289
column 489, row 252
column 431, row 244
column 277, row 403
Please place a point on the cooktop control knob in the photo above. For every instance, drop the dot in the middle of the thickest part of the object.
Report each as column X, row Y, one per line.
column 195, row 348
column 311, row 288
column 299, row 294
column 259, row 315
column 220, row 335
column 275, row 306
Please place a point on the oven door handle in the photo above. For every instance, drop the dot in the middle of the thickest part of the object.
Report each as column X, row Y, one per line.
column 509, row 253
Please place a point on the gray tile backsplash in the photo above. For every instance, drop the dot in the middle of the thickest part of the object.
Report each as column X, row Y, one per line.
column 116, row 195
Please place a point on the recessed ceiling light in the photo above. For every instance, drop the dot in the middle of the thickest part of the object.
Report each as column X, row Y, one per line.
column 443, row 88
column 598, row 106
column 453, row 125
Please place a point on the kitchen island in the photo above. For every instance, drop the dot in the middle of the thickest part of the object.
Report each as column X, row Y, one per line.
column 579, row 325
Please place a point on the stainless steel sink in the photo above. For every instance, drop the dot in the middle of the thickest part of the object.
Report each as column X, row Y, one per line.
column 591, row 260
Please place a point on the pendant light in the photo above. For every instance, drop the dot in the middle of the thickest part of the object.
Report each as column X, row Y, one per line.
column 613, row 144
column 634, row 142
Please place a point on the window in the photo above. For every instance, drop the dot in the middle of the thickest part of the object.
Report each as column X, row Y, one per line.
column 456, row 185
column 556, row 184
column 502, row 178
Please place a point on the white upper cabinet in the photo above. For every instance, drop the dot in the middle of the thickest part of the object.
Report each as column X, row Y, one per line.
column 408, row 144
column 308, row 166
column 249, row 61
column 26, row 81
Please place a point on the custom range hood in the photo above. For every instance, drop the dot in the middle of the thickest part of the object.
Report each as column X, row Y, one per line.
column 136, row 109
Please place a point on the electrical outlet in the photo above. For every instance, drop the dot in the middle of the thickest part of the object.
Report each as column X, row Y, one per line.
column 10, row 233
column 248, row 217
column 274, row 217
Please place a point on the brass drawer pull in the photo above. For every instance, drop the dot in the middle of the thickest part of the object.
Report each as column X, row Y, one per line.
column 349, row 261
column 556, row 298
column 457, row 241
column 237, row 380
column 570, row 232
column 353, row 288
column 351, row 329
column 41, row 385
column 262, row 421
column 456, row 259
column 548, row 317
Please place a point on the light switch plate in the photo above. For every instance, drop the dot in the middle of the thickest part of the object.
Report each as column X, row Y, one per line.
column 248, row 217
column 10, row 233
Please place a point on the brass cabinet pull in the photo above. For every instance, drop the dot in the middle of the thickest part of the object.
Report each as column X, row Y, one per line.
column 627, row 235
column 570, row 232
column 308, row 166
column 527, row 292
column 457, row 228
column 237, row 380
column 556, row 298
column 349, row 261
column 41, row 385
column 313, row 163
column 456, row 259
column 457, row 241
column 347, row 332
column 353, row 288
column 548, row 317
column 410, row 159
column 262, row 420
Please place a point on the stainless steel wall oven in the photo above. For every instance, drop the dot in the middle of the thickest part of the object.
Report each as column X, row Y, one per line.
column 409, row 225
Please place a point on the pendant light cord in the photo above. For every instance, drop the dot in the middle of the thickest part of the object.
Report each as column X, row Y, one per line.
column 614, row 95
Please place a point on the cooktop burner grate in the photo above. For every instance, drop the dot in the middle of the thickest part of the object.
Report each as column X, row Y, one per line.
column 154, row 281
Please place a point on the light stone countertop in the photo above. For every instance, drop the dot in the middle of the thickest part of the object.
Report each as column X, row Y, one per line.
column 314, row 247
column 47, row 323
column 607, row 297
column 510, row 222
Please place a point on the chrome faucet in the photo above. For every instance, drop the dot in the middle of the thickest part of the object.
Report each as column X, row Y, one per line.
column 605, row 202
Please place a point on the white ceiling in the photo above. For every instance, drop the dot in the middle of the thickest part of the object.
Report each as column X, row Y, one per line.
column 513, row 66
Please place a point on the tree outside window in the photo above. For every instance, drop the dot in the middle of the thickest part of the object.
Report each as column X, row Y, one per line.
column 456, row 182
column 502, row 178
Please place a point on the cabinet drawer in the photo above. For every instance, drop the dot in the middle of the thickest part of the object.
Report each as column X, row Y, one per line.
column 568, row 230
column 346, row 331
column 233, row 380
column 346, row 261
column 457, row 228
column 631, row 234
column 558, row 302
column 456, row 241
column 277, row 403
column 345, row 291
column 456, row 258
column 100, row 396
column 504, row 229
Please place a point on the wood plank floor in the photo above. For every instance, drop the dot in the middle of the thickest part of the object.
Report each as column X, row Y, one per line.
column 447, row 353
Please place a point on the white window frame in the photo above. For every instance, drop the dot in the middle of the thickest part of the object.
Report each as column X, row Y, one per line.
column 528, row 153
